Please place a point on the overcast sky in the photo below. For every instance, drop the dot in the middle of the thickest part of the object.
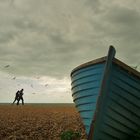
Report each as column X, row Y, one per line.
column 41, row 41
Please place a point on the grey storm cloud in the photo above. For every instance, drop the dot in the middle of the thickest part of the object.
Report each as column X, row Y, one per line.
column 52, row 37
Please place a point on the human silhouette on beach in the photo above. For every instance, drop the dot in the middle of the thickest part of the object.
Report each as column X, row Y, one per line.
column 16, row 97
column 19, row 96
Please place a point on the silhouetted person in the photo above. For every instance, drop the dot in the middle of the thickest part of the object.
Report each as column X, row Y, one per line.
column 16, row 97
column 20, row 97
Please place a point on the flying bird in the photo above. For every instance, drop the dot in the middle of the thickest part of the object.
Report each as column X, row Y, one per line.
column 14, row 78
column 6, row 66
column 37, row 77
column 46, row 85
column 135, row 67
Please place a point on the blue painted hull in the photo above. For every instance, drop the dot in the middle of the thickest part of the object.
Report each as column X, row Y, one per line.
column 85, row 87
column 113, row 114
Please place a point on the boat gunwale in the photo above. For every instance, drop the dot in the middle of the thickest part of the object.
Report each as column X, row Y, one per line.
column 127, row 68
column 122, row 65
column 108, row 61
column 90, row 63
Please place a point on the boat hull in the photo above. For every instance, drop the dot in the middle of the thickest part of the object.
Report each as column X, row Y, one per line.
column 107, row 96
column 85, row 87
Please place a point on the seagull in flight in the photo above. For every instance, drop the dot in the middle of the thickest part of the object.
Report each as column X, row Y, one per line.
column 6, row 66
column 37, row 77
column 46, row 85
column 135, row 67
column 14, row 78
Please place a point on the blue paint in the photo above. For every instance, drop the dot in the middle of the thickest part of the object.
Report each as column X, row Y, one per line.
column 111, row 92
column 120, row 115
column 85, row 88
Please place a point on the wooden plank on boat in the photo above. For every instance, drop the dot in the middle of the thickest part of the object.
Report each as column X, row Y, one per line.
column 107, row 96
column 104, row 86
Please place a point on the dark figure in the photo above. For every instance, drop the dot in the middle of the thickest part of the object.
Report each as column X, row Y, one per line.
column 16, row 97
column 20, row 97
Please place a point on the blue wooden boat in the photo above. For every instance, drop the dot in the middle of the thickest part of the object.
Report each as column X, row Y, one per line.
column 106, row 93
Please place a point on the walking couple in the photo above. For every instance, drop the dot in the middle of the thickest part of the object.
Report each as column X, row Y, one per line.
column 19, row 96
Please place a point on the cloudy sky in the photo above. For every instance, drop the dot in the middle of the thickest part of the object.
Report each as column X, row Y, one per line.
column 41, row 41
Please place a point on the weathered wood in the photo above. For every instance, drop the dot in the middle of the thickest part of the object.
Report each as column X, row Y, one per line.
column 106, row 95
column 103, row 59
column 103, row 88
column 127, row 68
column 96, row 61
